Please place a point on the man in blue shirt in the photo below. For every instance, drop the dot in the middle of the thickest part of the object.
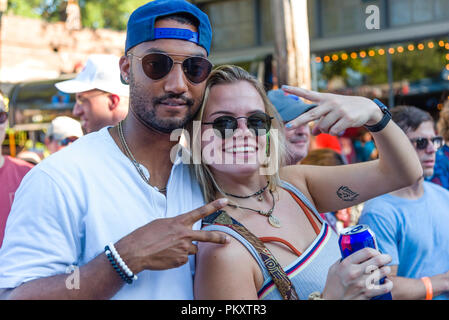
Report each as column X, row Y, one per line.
column 411, row 224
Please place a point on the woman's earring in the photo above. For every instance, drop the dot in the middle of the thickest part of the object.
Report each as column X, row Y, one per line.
column 267, row 147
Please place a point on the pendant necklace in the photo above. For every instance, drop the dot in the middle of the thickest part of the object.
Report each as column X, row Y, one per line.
column 130, row 156
column 273, row 220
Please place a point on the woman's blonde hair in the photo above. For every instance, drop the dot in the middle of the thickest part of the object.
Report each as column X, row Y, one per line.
column 228, row 74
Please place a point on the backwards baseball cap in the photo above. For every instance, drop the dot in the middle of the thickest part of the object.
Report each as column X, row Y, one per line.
column 289, row 106
column 101, row 72
column 64, row 127
column 141, row 24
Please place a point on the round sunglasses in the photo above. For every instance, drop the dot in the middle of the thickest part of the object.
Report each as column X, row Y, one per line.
column 422, row 143
column 259, row 123
column 3, row 117
column 158, row 65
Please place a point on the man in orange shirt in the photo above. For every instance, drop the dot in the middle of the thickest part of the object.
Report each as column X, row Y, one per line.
column 11, row 173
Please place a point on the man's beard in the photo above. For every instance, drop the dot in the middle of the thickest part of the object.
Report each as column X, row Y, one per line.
column 145, row 110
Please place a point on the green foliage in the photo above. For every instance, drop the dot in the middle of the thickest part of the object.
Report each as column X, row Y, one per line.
column 417, row 65
column 341, row 68
column 111, row 14
column 26, row 8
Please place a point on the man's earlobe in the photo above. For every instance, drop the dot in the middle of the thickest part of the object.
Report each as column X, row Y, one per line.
column 124, row 79
column 124, row 65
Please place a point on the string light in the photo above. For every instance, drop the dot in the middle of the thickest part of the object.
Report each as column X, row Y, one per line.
column 381, row 51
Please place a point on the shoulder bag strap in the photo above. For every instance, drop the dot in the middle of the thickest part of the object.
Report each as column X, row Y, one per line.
column 277, row 273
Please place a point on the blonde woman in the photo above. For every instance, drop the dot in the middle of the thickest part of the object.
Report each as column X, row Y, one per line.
column 280, row 248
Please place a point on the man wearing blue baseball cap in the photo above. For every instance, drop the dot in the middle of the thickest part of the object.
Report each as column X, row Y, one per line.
column 298, row 137
column 111, row 216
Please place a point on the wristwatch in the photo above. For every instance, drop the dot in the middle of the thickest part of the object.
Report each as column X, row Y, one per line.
column 385, row 119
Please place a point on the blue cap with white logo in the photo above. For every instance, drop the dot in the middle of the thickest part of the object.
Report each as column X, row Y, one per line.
column 141, row 24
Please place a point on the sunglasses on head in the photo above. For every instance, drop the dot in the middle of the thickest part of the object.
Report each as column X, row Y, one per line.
column 158, row 65
column 259, row 123
column 422, row 143
column 67, row 141
column 3, row 116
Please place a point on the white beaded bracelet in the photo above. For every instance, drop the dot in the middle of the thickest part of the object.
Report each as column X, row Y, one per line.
column 122, row 263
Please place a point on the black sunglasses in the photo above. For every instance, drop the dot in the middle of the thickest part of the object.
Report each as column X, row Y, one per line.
column 422, row 143
column 259, row 123
column 67, row 141
column 3, row 117
column 158, row 65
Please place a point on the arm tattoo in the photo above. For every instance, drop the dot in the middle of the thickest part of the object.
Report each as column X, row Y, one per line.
column 346, row 194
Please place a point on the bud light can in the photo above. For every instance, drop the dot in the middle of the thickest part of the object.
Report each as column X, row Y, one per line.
column 358, row 237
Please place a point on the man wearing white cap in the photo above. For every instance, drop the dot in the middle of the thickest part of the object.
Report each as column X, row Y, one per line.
column 62, row 132
column 101, row 98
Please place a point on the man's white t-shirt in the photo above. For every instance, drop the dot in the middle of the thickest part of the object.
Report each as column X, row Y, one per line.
column 74, row 203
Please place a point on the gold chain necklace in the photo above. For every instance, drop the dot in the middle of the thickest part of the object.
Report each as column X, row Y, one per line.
column 130, row 156
column 273, row 220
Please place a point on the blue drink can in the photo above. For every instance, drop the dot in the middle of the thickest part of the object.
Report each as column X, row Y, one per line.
column 358, row 237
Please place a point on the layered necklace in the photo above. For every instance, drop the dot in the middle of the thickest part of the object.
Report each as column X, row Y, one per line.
column 130, row 156
column 272, row 220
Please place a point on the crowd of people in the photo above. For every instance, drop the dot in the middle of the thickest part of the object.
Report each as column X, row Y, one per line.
column 138, row 219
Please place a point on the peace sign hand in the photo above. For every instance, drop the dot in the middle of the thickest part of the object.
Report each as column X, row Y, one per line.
column 335, row 113
column 166, row 243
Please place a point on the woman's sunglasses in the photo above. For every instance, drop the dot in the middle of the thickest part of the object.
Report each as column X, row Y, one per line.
column 158, row 65
column 259, row 123
column 422, row 143
column 3, row 117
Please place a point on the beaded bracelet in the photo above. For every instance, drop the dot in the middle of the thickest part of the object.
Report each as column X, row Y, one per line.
column 119, row 265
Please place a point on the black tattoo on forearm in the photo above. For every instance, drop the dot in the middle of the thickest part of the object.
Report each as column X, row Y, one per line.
column 346, row 194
